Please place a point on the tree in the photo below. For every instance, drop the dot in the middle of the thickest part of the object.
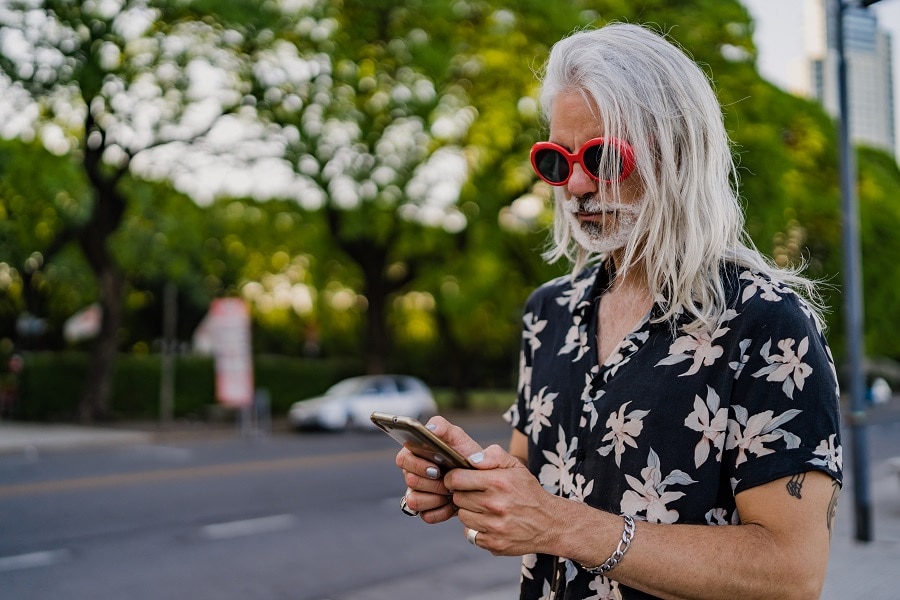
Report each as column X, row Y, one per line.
column 373, row 138
column 388, row 129
column 109, row 83
column 393, row 138
column 41, row 196
column 879, row 222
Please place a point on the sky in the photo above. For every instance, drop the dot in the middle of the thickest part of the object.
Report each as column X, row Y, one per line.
column 779, row 39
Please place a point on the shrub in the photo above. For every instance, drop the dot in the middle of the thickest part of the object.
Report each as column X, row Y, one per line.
column 50, row 385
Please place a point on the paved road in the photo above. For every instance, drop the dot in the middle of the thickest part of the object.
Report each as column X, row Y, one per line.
column 305, row 517
column 308, row 517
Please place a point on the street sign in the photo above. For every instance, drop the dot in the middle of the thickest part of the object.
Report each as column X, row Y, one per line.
column 230, row 325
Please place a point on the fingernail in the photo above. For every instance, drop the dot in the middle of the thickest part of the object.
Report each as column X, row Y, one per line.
column 432, row 472
column 438, row 458
column 476, row 458
column 431, row 427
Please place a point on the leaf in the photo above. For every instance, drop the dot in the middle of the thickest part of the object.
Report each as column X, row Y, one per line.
column 701, row 452
column 791, row 441
column 677, row 477
column 781, row 419
column 740, row 414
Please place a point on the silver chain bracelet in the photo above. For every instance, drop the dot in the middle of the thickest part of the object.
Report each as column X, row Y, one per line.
column 621, row 549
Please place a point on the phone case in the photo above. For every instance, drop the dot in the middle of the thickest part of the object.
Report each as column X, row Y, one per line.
column 411, row 434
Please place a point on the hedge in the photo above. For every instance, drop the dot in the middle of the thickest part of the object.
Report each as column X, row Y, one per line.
column 50, row 385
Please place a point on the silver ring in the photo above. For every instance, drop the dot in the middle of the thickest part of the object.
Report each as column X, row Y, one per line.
column 471, row 534
column 406, row 509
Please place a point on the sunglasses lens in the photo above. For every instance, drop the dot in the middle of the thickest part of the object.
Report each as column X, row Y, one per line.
column 551, row 165
column 604, row 161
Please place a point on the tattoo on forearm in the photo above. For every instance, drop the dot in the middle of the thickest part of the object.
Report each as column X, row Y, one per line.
column 832, row 506
column 795, row 485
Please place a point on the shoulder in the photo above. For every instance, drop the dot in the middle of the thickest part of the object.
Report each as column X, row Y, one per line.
column 781, row 338
column 756, row 296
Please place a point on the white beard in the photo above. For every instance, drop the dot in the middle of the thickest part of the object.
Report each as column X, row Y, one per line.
column 598, row 237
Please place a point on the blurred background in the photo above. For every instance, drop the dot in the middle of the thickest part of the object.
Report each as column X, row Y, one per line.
column 210, row 211
column 356, row 174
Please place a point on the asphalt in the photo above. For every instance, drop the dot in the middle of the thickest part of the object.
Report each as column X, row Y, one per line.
column 857, row 569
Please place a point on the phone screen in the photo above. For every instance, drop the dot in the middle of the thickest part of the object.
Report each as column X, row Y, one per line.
column 414, row 436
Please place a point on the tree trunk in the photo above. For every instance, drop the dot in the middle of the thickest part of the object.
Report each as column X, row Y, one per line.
column 93, row 239
column 377, row 289
column 372, row 258
column 456, row 365
column 101, row 370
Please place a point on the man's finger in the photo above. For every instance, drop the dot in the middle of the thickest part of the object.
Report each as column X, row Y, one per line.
column 494, row 457
column 487, row 472
column 455, row 436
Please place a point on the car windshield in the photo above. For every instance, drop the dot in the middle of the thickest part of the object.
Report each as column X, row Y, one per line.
column 348, row 386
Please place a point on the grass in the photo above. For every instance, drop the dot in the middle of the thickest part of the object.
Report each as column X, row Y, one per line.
column 484, row 400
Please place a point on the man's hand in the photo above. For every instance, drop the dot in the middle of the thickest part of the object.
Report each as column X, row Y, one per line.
column 427, row 492
column 504, row 503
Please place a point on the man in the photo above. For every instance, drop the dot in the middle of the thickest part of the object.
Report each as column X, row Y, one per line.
column 676, row 430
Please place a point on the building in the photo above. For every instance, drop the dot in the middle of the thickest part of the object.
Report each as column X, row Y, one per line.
column 867, row 50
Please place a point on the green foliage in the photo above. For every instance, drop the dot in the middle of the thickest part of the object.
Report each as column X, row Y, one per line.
column 50, row 384
column 363, row 96
column 289, row 379
column 879, row 191
column 42, row 196
column 494, row 401
column 50, row 387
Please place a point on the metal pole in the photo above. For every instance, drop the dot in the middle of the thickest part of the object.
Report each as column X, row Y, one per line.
column 853, row 303
column 167, row 364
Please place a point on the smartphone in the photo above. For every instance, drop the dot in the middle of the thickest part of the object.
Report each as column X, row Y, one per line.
column 417, row 439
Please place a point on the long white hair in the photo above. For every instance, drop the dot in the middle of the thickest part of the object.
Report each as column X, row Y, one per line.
column 650, row 93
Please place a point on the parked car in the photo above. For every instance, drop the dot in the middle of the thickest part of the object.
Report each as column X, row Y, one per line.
column 350, row 402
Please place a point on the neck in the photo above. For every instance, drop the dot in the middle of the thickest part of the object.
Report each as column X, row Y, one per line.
column 633, row 279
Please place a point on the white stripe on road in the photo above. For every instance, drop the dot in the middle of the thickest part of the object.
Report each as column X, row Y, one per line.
column 32, row 560
column 221, row 531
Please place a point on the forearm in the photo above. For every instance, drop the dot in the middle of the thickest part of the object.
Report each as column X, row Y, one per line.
column 779, row 551
column 689, row 561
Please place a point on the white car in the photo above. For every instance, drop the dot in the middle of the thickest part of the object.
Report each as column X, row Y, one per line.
column 350, row 402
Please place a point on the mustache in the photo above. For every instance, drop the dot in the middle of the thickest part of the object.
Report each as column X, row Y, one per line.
column 594, row 204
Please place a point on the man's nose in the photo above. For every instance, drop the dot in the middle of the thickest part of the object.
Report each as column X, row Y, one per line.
column 580, row 183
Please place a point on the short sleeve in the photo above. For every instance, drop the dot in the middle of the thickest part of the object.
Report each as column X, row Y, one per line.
column 784, row 417
column 516, row 414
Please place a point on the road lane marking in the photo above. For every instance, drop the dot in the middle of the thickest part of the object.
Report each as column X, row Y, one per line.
column 232, row 529
column 32, row 560
column 226, row 470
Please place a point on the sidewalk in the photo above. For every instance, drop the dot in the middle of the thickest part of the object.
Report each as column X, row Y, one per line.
column 856, row 570
column 18, row 437
column 29, row 438
column 868, row 570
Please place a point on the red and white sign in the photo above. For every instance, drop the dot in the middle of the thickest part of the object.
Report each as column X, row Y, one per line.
column 83, row 325
column 230, row 325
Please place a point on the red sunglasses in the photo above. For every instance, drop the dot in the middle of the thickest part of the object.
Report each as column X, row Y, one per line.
column 553, row 163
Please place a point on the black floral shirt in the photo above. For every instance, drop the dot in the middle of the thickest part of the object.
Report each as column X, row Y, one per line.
column 670, row 428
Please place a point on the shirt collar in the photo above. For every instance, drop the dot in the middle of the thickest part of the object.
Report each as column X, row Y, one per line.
column 588, row 286
column 592, row 283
